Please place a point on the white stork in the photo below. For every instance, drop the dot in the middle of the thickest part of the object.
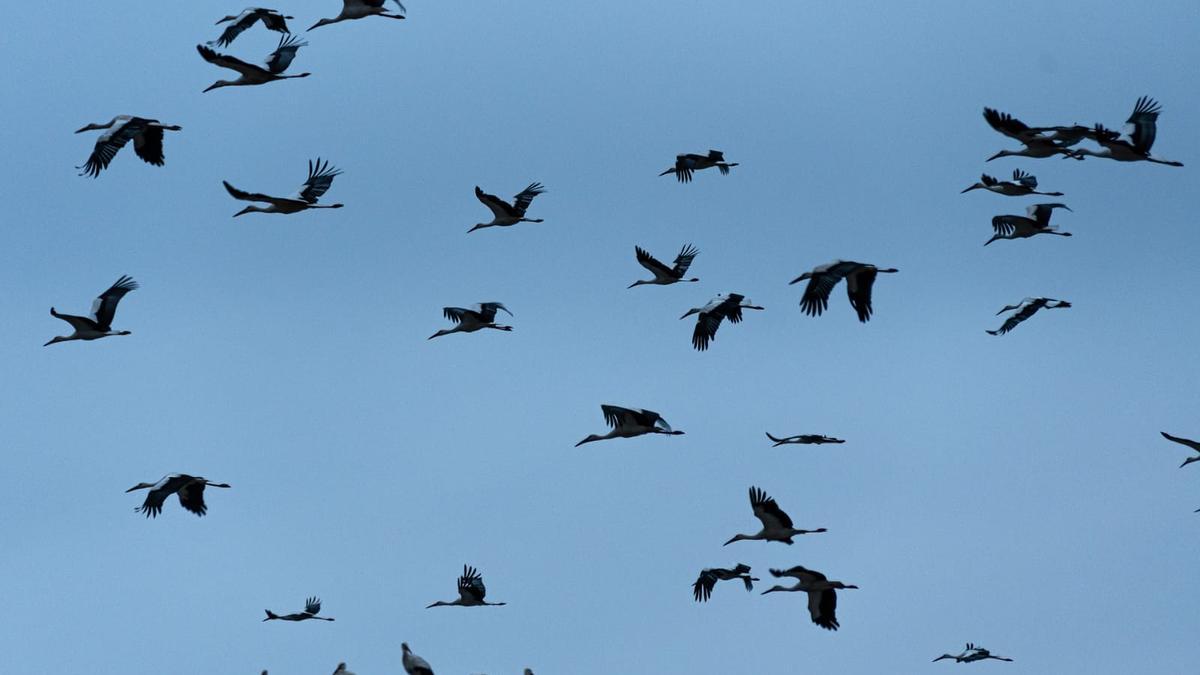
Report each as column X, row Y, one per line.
column 630, row 422
column 663, row 275
column 320, row 177
column 189, row 488
column 505, row 214
column 104, row 308
column 860, row 279
column 804, row 439
column 312, row 607
column 413, row 664
column 703, row 587
column 471, row 591
column 776, row 525
column 822, row 594
column 1025, row 309
column 271, row 19
column 1022, row 227
column 685, row 165
column 1135, row 144
column 251, row 74
column 146, row 134
column 971, row 653
column 1038, row 142
column 469, row 320
column 710, row 315
column 1022, row 184
column 1184, row 442
column 361, row 9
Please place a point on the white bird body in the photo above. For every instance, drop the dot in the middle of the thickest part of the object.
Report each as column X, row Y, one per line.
column 822, row 594
column 413, row 664
column 860, row 280
column 468, row 320
column 99, row 324
column 1022, row 184
column 471, row 591
column 320, row 178
column 250, row 74
column 663, row 275
column 505, row 214
column 1022, row 227
column 710, row 316
column 776, row 524
column 1025, row 309
column 190, row 490
column 239, row 23
column 361, row 9
column 630, row 422
column 146, row 134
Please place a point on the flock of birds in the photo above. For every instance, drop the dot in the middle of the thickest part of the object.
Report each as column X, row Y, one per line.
column 1037, row 142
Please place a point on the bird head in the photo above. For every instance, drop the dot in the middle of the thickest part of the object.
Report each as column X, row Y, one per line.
column 694, row 310
column 57, row 338
column 589, row 439
column 1002, row 153
column 977, row 186
column 775, row 588
column 140, row 486
column 90, row 127
column 802, row 277
column 229, row 18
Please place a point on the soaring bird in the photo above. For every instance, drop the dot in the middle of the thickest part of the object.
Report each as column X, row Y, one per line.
column 189, row 488
column 505, row 214
column 481, row 315
column 663, row 275
column 413, row 664
column 776, row 525
column 1022, row 227
column 99, row 324
column 1185, row 442
column 1038, row 142
column 804, row 439
column 471, row 591
column 311, row 607
column 320, row 177
column 630, row 422
column 703, row 588
column 146, row 134
column 710, row 315
column 1025, row 309
column 270, row 18
column 971, row 653
column 822, row 594
column 1134, row 145
column 1022, row 184
column 685, row 165
column 251, row 74
column 361, row 9
column 860, row 278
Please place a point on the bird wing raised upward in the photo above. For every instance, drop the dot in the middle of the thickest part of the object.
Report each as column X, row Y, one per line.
column 230, row 62
column 1028, row 180
column 191, row 497
column 470, row 585
column 487, row 310
column 239, row 25
column 1009, row 125
column 615, row 415
column 1006, row 225
column 684, row 260
column 252, row 196
column 1143, row 124
column 456, row 314
column 499, row 207
column 703, row 588
column 312, row 605
column 800, row 573
column 767, row 510
column 281, row 58
column 1040, row 213
column 320, row 177
column 105, row 306
column 524, row 198
column 653, row 264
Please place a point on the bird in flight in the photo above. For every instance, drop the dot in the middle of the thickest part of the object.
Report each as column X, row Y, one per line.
column 703, row 587
column 804, row 439
column 320, row 178
column 311, row 607
column 663, row 275
column 1187, row 443
column 469, row 320
column 860, row 279
column 1022, row 227
column 971, row 653
column 471, row 591
column 146, row 134
column 189, row 488
column 1022, row 184
column 1025, row 309
column 710, row 315
column 630, row 422
column 99, row 324
column 505, row 214
column 1038, row 142
column 413, row 664
column 361, row 9
column 776, row 525
column 685, row 165
column 1132, row 146
column 822, row 594
column 250, row 74
column 239, row 23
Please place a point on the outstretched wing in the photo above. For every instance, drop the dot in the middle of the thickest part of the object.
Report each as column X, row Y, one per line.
column 1006, row 225
column 615, row 415
column 455, row 314
column 1008, row 125
column 524, row 198
column 767, row 510
column 250, row 196
column 1026, row 179
column 110, row 142
column 470, row 585
column 487, row 310
column 105, row 306
column 1143, row 124
column 684, row 260
column 703, row 588
column 705, row 331
column 498, row 207
column 822, row 607
column 653, row 264
column 320, row 177
column 858, row 288
column 230, row 62
column 149, row 145
column 281, row 58
column 191, row 497
column 312, row 605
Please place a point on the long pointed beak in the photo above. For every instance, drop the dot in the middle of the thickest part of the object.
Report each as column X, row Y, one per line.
column 82, row 129
column 998, row 154
column 973, row 187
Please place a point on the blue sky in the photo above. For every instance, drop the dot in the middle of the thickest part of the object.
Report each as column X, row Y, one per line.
column 1009, row 491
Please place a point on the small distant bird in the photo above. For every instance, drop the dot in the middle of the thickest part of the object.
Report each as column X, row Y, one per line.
column 251, row 74
column 1038, row 142
column 1134, row 145
column 710, row 315
column 630, row 422
column 146, row 134
column 505, row 214
column 361, row 9
column 822, row 595
column 776, row 525
column 804, row 439
column 971, row 653
column 320, row 178
column 860, row 279
column 1186, row 442
column 481, row 315
column 685, row 165
column 311, row 607
column 1022, row 184
column 270, row 18
column 341, row 670
column 663, row 275
column 1025, row 309
column 471, row 591
column 1023, row 227
column 104, row 308
column 703, row 588
column 189, row 488
column 413, row 664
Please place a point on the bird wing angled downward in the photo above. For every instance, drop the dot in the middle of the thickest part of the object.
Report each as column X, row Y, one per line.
column 149, row 145
column 705, row 331
column 822, row 607
column 109, row 143
column 767, row 510
column 703, row 588
column 239, row 25
column 858, row 288
column 320, row 177
column 191, row 497
column 105, row 306
column 615, row 415
column 816, row 295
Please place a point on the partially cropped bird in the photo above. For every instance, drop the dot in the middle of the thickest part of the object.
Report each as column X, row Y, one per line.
column 413, row 664
column 1025, row 309
column 320, row 178
column 804, row 439
column 505, row 214
column 860, row 279
column 710, row 315
column 971, row 653
column 1186, row 442
column 685, row 165
column 1022, row 184
column 1038, row 142
column 663, row 275
column 361, row 9
column 239, row 23
column 703, row 587
column 189, row 488
column 341, row 670
column 311, row 607
column 250, row 74
column 1022, row 227
column 146, row 134
column 1134, row 145
column 99, row 324
column 630, row 422
column 776, row 525
column 822, row 594
column 471, row 591
column 469, row 320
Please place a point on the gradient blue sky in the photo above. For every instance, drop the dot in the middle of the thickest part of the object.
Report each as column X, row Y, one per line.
column 1009, row 491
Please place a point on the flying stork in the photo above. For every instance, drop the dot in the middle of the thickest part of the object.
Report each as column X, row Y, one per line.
column 663, row 275
column 251, row 74
column 776, row 525
column 1185, row 442
column 1025, row 309
column 413, row 664
column 1022, row 184
column 630, row 422
column 469, row 320
column 804, row 439
column 1134, row 145
column 822, row 594
column 104, row 308
column 146, row 134
column 1038, row 142
column 311, row 607
column 505, row 214
column 341, row 670
column 710, row 315
column 860, row 279
column 189, row 488
column 685, row 165
column 703, row 588
column 471, row 591
column 1022, row 227
column 272, row 19
column 320, row 177
column 971, row 653
column 361, row 9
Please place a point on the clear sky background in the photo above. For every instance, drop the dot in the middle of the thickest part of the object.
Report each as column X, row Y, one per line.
column 1011, row 491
